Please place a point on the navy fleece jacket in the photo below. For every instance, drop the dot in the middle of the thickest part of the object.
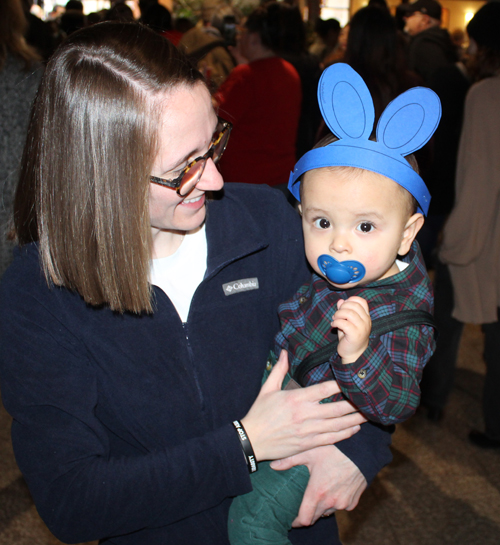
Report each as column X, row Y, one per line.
column 122, row 423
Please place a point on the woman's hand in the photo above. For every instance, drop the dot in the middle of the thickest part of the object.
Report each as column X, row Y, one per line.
column 282, row 423
column 335, row 483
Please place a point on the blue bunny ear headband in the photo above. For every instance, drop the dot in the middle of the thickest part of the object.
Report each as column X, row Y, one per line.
column 405, row 126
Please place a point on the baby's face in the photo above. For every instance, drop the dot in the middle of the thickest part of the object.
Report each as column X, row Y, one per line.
column 360, row 216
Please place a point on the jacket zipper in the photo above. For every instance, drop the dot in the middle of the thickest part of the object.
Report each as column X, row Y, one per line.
column 193, row 366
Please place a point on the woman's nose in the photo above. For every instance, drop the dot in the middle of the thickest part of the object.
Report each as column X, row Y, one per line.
column 211, row 179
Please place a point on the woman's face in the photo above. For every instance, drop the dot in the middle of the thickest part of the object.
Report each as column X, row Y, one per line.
column 187, row 125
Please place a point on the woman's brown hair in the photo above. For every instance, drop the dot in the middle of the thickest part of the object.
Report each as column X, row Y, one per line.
column 83, row 192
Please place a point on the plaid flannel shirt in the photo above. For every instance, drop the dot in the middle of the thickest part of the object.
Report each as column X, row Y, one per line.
column 384, row 381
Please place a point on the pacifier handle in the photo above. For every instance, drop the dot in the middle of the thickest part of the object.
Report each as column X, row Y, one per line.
column 340, row 272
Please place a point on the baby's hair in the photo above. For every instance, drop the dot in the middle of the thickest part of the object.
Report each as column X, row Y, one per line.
column 412, row 204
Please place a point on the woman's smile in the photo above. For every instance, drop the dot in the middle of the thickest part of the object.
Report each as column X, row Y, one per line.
column 194, row 202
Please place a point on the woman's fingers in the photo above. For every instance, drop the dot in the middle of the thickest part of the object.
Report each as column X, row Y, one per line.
column 314, row 393
column 328, row 422
column 324, row 439
column 281, row 423
column 277, row 374
column 318, row 392
column 337, row 410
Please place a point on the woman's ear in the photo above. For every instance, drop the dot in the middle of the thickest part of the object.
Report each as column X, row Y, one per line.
column 412, row 227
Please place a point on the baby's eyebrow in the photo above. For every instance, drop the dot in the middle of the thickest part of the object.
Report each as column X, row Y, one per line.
column 369, row 214
column 310, row 210
column 365, row 214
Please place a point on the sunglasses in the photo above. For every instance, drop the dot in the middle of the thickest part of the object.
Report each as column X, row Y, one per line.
column 192, row 173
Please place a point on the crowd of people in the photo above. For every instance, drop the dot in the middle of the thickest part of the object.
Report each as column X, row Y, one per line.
column 144, row 257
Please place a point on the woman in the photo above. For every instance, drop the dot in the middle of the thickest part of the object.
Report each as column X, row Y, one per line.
column 375, row 50
column 20, row 74
column 124, row 394
column 471, row 237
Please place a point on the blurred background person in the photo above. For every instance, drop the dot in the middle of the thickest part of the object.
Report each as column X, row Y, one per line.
column 39, row 33
column 430, row 45
column 375, row 51
column 451, row 83
column 400, row 14
column 468, row 285
column 20, row 74
column 326, row 38
column 458, row 37
column 339, row 50
column 381, row 4
column 157, row 17
column 73, row 18
column 207, row 42
column 262, row 98
column 291, row 46
column 119, row 11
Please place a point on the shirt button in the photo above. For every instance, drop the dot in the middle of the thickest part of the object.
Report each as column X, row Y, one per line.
column 362, row 373
column 269, row 365
column 302, row 300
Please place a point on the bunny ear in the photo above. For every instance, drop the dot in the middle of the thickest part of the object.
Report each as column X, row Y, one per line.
column 345, row 102
column 409, row 121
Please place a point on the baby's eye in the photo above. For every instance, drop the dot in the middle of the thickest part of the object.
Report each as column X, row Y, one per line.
column 322, row 223
column 365, row 227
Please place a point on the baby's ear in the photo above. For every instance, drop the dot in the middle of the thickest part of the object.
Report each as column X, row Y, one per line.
column 412, row 227
column 299, row 208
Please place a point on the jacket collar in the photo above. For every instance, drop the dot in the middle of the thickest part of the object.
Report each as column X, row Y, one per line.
column 233, row 231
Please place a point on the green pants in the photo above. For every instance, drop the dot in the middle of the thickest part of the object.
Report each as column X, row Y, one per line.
column 265, row 515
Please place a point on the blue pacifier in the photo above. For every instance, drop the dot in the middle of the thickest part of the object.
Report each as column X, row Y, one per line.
column 340, row 272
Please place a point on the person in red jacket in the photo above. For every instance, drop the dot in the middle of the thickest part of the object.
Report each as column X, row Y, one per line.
column 262, row 100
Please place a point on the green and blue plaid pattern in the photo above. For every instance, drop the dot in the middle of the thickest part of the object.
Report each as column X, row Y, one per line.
column 384, row 382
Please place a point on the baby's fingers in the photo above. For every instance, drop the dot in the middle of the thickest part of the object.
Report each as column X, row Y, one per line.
column 355, row 303
column 349, row 320
column 360, row 302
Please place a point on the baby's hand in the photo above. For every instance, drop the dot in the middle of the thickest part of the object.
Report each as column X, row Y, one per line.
column 354, row 325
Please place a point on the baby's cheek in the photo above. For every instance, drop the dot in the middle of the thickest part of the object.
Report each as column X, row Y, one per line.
column 370, row 261
column 312, row 253
column 374, row 265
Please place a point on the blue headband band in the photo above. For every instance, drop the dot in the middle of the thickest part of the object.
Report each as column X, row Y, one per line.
column 405, row 126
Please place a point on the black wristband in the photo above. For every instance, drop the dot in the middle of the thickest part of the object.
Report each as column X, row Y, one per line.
column 246, row 446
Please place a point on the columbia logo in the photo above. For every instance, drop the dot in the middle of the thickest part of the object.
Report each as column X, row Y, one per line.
column 237, row 286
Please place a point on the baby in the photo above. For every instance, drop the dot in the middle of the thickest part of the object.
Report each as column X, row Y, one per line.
column 362, row 204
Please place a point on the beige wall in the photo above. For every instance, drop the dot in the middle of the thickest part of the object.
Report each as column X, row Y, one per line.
column 357, row 4
column 453, row 10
